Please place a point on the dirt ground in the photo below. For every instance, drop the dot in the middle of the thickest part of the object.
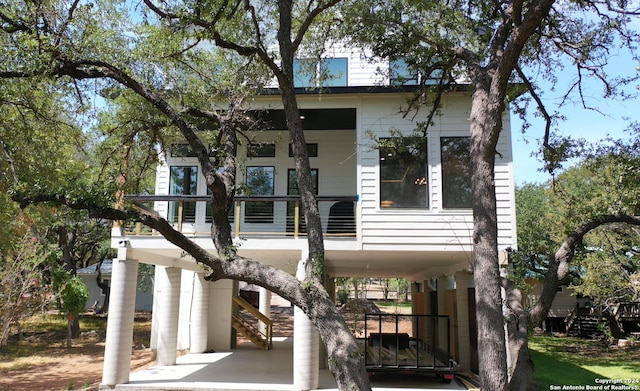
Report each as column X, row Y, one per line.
column 80, row 368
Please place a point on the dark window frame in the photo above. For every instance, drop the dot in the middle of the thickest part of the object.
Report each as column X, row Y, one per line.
column 403, row 176
column 312, row 149
column 456, row 172
column 260, row 212
column 189, row 208
column 261, row 150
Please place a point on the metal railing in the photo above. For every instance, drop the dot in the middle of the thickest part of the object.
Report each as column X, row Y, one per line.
column 251, row 215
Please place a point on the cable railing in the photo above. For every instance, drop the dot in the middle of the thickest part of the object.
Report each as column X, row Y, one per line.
column 250, row 216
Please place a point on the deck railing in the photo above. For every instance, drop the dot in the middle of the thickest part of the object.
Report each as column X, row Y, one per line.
column 251, row 215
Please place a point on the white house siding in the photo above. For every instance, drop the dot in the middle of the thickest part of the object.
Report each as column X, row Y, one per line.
column 431, row 228
column 364, row 69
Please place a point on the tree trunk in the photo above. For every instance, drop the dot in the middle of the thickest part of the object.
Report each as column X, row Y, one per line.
column 518, row 336
column 69, row 331
column 485, row 129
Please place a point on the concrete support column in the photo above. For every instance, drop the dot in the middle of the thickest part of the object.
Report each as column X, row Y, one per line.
column 168, row 311
column 444, row 284
column 119, row 338
column 264, row 307
column 306, row 347
column 199, row 322
column 464, row 281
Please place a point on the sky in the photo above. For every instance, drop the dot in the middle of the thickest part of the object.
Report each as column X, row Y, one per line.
column 580, row 123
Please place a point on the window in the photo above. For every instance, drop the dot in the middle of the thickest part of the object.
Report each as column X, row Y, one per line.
column 312, row 150
column 403, row 173
column 184, row 181
column 329, row 72
column 304, row 73
column 456, row 172
column 333, row 72
column 401, row 75
column 261, row 150
column 260, row 181
column 292, row 189
column 182, row 150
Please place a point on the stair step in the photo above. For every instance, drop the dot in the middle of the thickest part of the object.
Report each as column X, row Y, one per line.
column 249, row 333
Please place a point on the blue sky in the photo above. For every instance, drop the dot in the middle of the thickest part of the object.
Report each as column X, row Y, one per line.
column 579, row 123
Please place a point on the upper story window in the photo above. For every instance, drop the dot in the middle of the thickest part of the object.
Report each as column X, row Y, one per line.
column 312, row 150
column 456, row 172
column 401, row 75
column 328, row 72
column 182, row 150
column 403, row 173
column 261, row 150
column 183, row 180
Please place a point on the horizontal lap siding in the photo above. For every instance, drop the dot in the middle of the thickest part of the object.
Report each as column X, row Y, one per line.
column 433, row 227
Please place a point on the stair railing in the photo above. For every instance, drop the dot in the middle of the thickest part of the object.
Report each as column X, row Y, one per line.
column 267, row 334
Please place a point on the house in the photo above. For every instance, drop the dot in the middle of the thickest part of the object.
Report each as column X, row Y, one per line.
column 144, row 297
column 401, row 210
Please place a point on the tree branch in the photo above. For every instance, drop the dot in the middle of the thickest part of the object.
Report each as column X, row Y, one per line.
column 304, row 27
column 559, row 268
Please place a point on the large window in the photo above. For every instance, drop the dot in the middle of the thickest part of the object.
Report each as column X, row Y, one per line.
column 456, row 172
column 183, row 181
column 403, row 173
column 260, row 181
column 329, row 72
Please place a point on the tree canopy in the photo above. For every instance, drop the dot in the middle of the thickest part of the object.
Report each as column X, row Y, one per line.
column 154, row 69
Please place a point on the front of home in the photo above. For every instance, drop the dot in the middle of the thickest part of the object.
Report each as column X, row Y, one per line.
column 390, row 208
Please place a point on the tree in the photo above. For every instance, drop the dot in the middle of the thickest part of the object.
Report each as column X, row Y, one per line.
column 72, row 295
column 560, row 230
column 72, row 50
column 23, row 290
column 494, row 46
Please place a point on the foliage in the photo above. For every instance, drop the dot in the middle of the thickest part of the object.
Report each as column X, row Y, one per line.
column 492, row 46
column 402, row 286
column 72, row 294
column 607, row 264
column 23, row 287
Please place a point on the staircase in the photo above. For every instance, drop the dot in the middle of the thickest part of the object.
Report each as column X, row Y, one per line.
column 586, row 326
column 246, row 320
column 583, row 324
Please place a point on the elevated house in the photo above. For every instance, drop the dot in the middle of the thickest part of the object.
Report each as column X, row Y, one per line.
column 393, row 211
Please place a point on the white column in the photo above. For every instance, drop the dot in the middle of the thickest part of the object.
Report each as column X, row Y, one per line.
column 199, row 326
column 264, row 307
column 463, row 283
column 306, row 347
column 119, row 338
column 168, row 311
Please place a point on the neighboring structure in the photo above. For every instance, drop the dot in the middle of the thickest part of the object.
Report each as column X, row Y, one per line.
column 566, row 305
column 402, row 211
column 144, row 299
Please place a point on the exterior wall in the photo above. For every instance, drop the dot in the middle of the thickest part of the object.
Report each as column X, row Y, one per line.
column 434, row 228
column 563, row 303
column 144, row 300
column 348, row 164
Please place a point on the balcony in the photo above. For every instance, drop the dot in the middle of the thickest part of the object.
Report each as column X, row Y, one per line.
column 279, row 216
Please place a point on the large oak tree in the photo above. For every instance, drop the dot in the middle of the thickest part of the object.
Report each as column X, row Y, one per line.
column 160, row 63
column 495, row 47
